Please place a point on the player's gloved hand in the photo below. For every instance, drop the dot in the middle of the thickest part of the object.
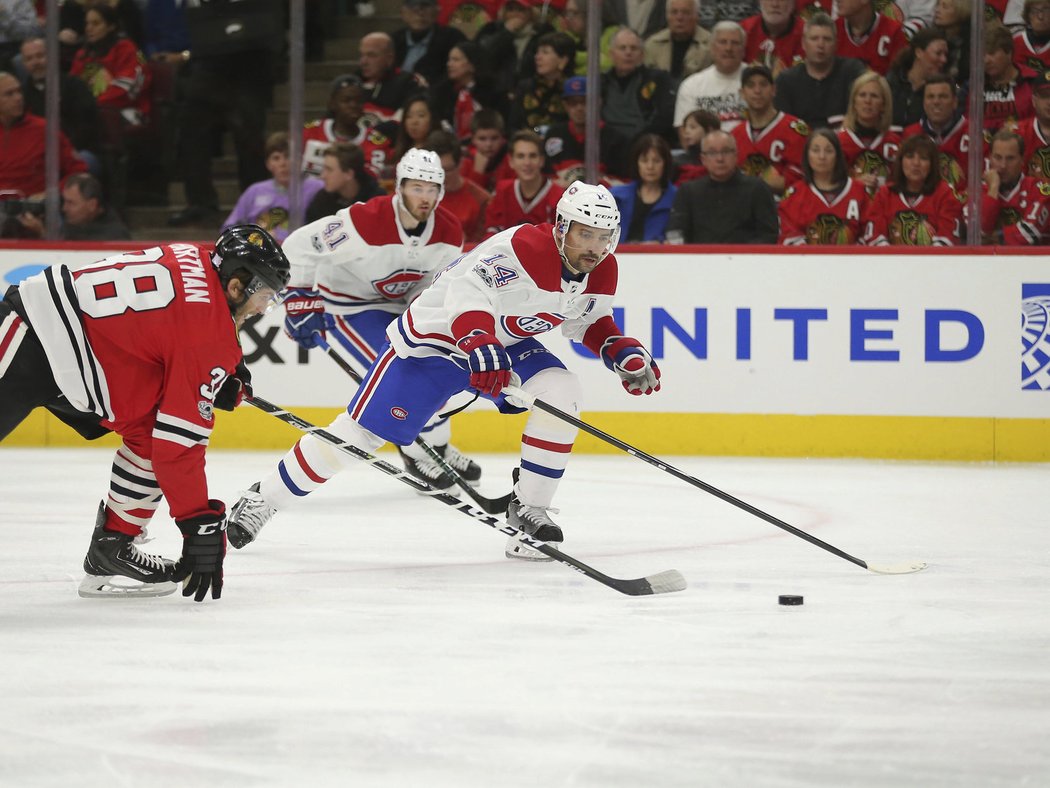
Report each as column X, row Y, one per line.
column 628, row 359
column 203, row 548
column 235, row 388
column 489, row 362
column 305, row 317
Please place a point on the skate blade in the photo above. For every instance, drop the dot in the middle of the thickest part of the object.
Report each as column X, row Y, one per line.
column 117, row 587
column 521, row 552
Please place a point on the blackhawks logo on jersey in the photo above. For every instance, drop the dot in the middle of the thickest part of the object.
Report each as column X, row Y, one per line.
column 800, row 126
column 870, row 163
column 1044, row 188
column 951, row 172
column 1008, row 217
column 1039, row 166
column 829, row 230
column 890, row 9
column 755, row 164
column 909, row 228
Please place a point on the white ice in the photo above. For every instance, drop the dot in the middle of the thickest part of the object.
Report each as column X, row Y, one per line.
column 373, row 637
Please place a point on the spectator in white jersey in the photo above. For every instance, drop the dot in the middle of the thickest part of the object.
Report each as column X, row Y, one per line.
column 475, row 328
column 357, row 270
column 717, row 87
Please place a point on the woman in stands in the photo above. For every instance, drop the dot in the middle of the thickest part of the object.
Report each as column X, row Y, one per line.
column 537, row 102
column 645, row 202
column 418, row 119
column 113, row 66
column 827, row 207
column 465, row 90
column 868, row 138
column 917, row 207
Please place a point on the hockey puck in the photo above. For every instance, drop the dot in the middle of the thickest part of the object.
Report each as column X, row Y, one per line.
column 790, row 599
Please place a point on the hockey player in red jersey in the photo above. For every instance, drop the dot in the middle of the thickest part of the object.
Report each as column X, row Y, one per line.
column 476, row 327
column 826, row 207
column 916, row 207
column 1015, row 208
column 142, row 344
column 354, row 272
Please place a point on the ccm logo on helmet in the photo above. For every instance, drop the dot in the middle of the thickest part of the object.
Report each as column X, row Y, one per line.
column 399, row 413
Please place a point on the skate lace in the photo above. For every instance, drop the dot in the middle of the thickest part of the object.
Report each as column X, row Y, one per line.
column 146, row 560
column 457, row 459
column 536, row 515
column 253, row 512
column 429, row 469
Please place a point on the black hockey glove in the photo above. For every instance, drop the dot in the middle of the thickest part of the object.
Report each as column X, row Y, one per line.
column 235, row 388
column 203, row 548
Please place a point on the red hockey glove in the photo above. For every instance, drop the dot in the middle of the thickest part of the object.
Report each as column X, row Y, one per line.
column 489, row 363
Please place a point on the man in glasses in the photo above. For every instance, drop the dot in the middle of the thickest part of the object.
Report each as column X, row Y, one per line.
column 725, row 206
column 143, row 344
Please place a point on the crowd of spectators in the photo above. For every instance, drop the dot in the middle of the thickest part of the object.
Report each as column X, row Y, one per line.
column 736, row 121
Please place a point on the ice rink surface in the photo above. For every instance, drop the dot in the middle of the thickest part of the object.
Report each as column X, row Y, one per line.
column 372, row 637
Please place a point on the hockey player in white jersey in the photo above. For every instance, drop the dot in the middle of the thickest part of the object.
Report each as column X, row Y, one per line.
column 354, row 272
column 475, row 328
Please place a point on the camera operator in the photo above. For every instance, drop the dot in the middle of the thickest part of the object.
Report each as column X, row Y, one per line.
column 86, row 215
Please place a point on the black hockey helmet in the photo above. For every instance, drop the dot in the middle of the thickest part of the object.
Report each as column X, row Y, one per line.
column 250, row 247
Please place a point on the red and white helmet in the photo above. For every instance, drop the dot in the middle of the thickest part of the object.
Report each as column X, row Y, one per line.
column 420, row 165
column 591, row 205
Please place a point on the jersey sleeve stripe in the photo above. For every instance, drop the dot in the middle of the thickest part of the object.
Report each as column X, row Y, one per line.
column 177, row 430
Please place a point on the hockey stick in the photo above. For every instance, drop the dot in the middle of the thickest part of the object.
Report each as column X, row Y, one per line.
column 490, row 505
column 893, row 569
column 660, row 583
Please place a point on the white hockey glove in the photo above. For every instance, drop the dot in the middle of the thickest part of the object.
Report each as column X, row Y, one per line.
column 627, row 358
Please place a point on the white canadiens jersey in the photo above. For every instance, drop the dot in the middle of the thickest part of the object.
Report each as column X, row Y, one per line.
column 362, row 259
column 515, row 278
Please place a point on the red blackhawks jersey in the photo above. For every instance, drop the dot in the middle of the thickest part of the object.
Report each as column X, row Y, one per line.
column 144, row 340
column 877, row 47
column 362, row 258
column 779, row 143
column 808, row 216
column 1009, row 103
column 954, row 147
column 508, row 208
column 1022, row 214
column 776, row 54
column 1036, row 148
column 870, row 156
column 376, row 145
column 513, row 286
column 923, row 220
column 1030, row 55
column 118, row 79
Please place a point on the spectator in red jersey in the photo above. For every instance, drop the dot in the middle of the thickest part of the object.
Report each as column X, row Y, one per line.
column 769, row 143
column 485, row 161
column 113, row 66
column 344, row 123
column 946, row 125
column 915, row 207
column 868, row 139
column 827, row 207
column 22, row 143
column 645, row 202
column 1014, row 207
column 683, row 47
column 867, row 35
column 531, row 197
column 1007, row 88
column 465, row 90
column 1035, row 131
column 774, row 36
column 952, row 17
column 697, row 125
column 1032, row 45
column 925, row 56
column 464, row 198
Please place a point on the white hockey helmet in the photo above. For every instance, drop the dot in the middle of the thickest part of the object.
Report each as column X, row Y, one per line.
column 420, row 165
column 591, row 205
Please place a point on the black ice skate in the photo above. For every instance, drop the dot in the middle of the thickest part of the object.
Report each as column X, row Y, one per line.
column 247, row 517
column 535, row 522
column 113, row 560
column 463, row 465
column 426, row 470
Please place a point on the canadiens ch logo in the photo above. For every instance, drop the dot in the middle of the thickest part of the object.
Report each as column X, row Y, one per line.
column 530, row 325
column 399, row 413
column 396, row 285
